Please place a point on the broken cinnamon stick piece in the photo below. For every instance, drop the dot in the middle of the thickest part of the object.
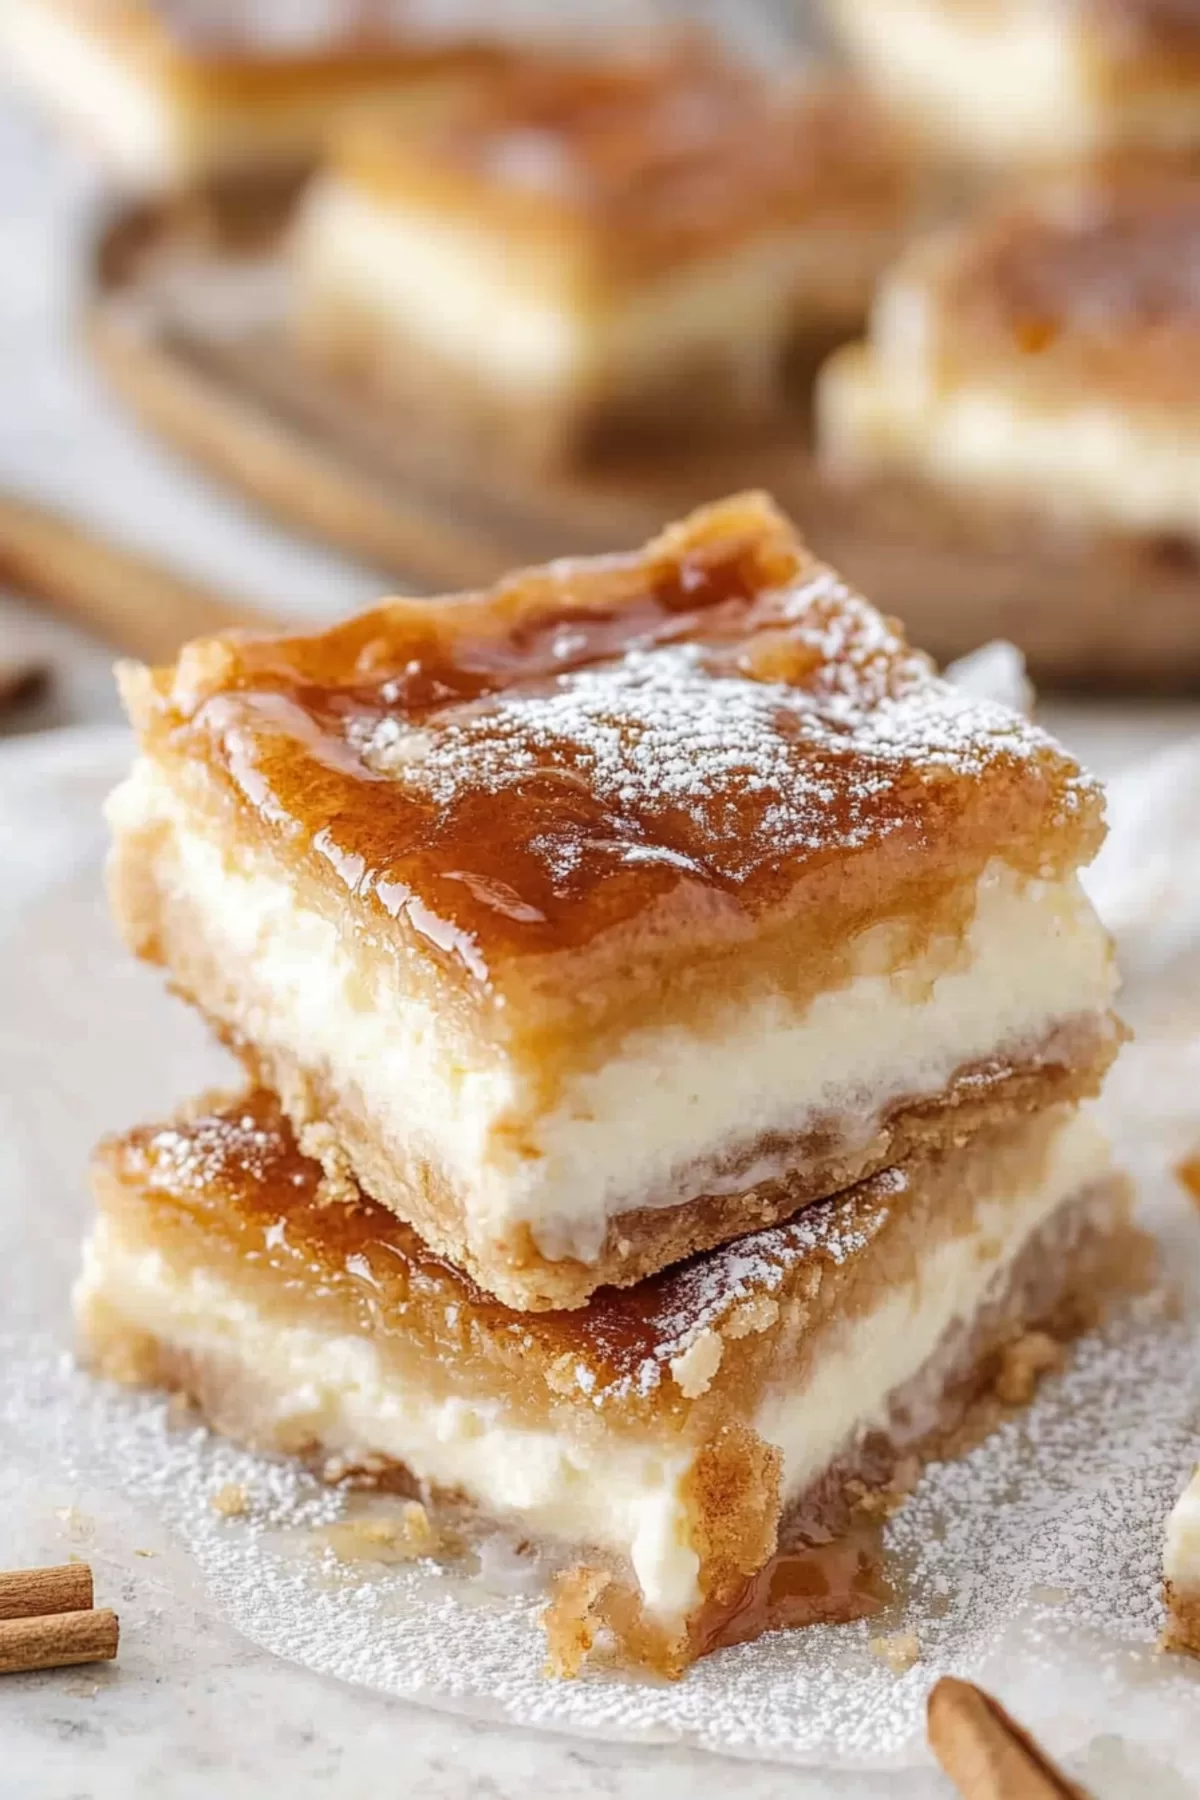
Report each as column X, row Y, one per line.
column 57, row 1640
column 986, row 1754
column 32, row 1593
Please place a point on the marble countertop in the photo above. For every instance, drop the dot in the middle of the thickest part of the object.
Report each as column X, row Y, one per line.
column 191, row 1708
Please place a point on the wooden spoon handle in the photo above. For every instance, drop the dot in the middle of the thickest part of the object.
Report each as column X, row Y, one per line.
column 125, row 598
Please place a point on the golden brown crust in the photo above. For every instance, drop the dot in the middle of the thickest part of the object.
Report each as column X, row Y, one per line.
column 559, row 793
column 1182, row 1631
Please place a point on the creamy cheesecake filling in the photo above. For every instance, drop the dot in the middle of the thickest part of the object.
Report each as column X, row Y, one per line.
column 623, row 1492
column 520, row 323
column 677, row 1113
column 1133, row 470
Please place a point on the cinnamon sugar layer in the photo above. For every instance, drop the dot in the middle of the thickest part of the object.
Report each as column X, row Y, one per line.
column 655, row 1424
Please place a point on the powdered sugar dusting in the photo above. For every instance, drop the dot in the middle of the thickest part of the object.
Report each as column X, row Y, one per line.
column 702, row 1295
column 755, row 770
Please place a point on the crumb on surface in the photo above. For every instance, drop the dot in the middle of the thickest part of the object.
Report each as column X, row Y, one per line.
column 1023, row 1363
column 395, row 1538
column 571, row 1619
column 899, row 1652
column 231, row 1501
column 695, row 1367
column 75, row 1524
column 138, row 1552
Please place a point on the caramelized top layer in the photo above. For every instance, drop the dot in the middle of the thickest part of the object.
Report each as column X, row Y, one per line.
column 248, row 49
column 233, row 1182
column 1092, row 287
column 631, row 757
column 646, row 161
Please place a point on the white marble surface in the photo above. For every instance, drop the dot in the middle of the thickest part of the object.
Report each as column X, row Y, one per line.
column 199, row 1711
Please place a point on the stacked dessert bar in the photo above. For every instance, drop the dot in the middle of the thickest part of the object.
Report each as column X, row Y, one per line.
column 666, row 1006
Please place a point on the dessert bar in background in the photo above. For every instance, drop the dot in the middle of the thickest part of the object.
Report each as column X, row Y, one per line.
column 1181, row 1569
column 698, row 1453
column 582, row 255
column 628, row 907
column 1038, row 367
column 1011, row 82
column 169, row 95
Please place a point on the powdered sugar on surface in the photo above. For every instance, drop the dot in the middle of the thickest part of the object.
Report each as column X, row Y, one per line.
column 1031, row 1565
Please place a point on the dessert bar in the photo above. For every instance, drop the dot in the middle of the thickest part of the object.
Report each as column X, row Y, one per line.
column 1181, row 1568
column 1042, row 359
column 1024, row 81
column 622, row 909
column 168, row 98
column 699, row 1453
column 583, row 254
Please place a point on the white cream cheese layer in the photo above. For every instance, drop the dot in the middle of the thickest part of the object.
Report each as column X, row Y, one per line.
column 462, row 291
column 655, row 1124
column 1126, row 468
column 1181, row 1558
column 619, row 1494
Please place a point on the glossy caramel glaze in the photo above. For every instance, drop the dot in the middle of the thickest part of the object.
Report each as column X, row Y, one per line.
column 634, row 756
column 655, row 158
column 230, row 1183
column 1092, row 286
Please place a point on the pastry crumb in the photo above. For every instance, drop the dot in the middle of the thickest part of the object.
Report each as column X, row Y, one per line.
column 75, row 1524
column 392, row 1539
column 752, row 1316
column 572, row 1619
column 138, row 1552
column 695, row 1367
column 1022, row 1365
column 899, row 1652
column 231, row 1501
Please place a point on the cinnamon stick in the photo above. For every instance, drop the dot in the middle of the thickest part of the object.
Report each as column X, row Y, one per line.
column 57, row 1640
column 33, row 1593
column 986, row 1754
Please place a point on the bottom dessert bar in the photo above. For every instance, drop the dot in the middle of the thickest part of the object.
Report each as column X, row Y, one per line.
column 1181, row 1567
column 667, row 1442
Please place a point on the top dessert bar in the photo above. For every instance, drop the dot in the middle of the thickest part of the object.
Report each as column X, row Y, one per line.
column 174, row 93
column 1018, row 81
column 626, row 907
column 1046, row 351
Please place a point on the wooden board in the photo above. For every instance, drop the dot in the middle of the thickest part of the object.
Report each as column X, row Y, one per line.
column 188, row 315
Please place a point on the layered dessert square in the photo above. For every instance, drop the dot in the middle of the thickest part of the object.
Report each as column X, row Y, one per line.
column 172, row 93
column 1033, row 81
column 1041, row 358
column 1181, row 1570
column 698, row 1456
column 598, row 918
column 585, row 254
